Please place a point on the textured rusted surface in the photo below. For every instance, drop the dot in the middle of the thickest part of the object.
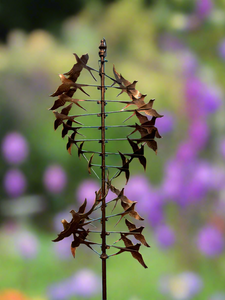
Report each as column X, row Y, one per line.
column 102, row 55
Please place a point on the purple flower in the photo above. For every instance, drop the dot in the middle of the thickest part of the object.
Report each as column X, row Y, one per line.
column 155, row 214
column 15, row 183
column 165, row 236
column 202, row 99
column 165, row 124
column 149, row 202
column 211, row 98
column 87, row 190
column 155, row 210
column 199, row 134
column 60, row 291
column 221, row 49
column 203, row 8
column 26, row 244
column 14, row 148
column 55, row 179
column 186, row 151
column 193, row 87
column 188, row 181
column 62, row 248
column 189, row 63
column 222, row 148
column 199, row 182
column 138, row 189
column 168, row 42
column 184, row 286
column 210, row 241
column 173, row 183
column 85, row 283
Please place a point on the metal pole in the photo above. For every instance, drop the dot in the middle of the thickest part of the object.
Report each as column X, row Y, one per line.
column 102, row 54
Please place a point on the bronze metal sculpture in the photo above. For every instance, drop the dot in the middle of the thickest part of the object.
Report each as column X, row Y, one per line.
column 78, row 226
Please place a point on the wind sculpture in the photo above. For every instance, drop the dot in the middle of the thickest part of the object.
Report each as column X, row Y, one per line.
column 79, row 226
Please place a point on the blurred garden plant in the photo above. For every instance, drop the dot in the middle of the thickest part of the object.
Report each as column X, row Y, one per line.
column 79, row 226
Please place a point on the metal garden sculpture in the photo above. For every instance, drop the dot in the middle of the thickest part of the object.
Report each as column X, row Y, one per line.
column 79, row 226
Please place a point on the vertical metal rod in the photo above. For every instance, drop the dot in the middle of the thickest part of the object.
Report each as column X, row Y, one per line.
column 102, row 54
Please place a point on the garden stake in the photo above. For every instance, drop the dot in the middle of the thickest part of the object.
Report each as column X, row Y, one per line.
column 78, row 226
column 102, row 55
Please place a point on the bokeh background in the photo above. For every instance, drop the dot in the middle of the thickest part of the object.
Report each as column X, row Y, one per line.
column 176, row 51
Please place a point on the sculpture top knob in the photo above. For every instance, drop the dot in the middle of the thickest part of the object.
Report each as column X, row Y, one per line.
column 102, row 48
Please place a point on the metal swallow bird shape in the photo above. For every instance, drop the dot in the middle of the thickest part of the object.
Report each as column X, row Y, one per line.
column 84, row 64
column 137, row 232
column 99, row 196
column 125, row 85
column 144, row 120
column 78, row 239
column 147, row 124
column 127, row 204
column 138, row 153
column 67, row 85
column 146, row 137
column 129, row 210
column 76, row 223
column 75, row 228
column 145, row 107
column 74, row 73
column 90, row 163
column 82, row 208
column 135, row 254
column 129, row 89
column 138, row 101
column 132, row 248
column 125, row 167
column 80, row 147
column 68, row 127
column 63, row 115
column 71, row 141
column 69, row 228
column 149, row 130
column 63, row 98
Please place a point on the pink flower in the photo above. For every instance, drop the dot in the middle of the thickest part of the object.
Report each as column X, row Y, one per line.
column 204, row 8
column 26, row 244
column 55, row 179
column 87, row 190
column 15, row 183
column 165, row 236
column 14, row 148
column 86, row 283
column 210, row 241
